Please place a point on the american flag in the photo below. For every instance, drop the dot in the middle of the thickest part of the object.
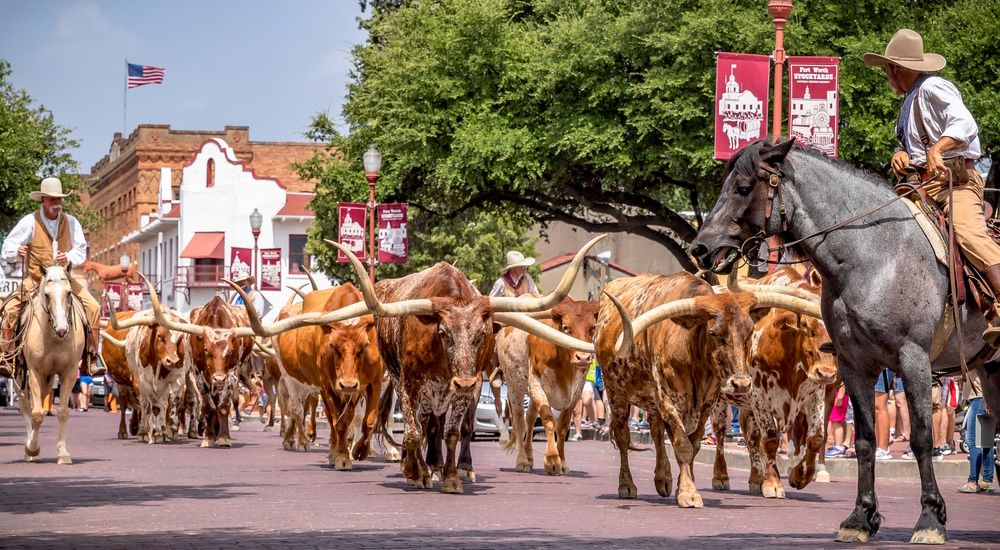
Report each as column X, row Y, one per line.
column 140, row 75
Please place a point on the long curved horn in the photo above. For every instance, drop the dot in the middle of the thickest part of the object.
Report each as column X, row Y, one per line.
column 311, row 280
column 311, row 318
column 135, row 320
column 296, row 291
column 662, row 312
column 543, row 331
column 734, row 284
column 791, row 303
column 623, row 346
column 118, row 343
column 503, row 304
column 164, row 320
column 263, row 348
column 420, row 306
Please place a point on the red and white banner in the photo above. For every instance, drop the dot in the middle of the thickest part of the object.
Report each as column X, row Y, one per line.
column 393, row 244
column 352, row 218
column 112, row 301
column 270, row 269
column 240, row 263
column 741, row 88
column 813, row 102
column 133, row 295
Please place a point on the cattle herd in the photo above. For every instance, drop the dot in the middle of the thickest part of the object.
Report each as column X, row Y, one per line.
column 674, row 346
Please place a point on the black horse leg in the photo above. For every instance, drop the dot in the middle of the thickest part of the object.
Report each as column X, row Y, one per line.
column 930, row 527
column 864, row 521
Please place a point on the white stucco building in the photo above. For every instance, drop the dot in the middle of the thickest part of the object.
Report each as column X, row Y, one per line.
column 186, row 248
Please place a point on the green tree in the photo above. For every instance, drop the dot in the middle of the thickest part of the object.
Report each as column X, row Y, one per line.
column 33, row 146
column 599, row 112
column 475, row 240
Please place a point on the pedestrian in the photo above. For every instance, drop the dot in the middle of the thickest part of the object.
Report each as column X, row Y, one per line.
column 838, row 424
column 981, row 459
column 901, row 427
column 938, row 135
column 86, row 386
column 882, row 385
column 585, row 414
column 75, row 396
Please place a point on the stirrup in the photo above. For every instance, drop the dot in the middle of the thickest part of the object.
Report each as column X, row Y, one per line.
column 991, row 335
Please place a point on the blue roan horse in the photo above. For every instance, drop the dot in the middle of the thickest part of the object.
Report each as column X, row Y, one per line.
column 883, row 296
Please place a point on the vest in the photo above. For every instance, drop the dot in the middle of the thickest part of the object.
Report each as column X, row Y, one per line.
column 40, row 247
column 515, row 291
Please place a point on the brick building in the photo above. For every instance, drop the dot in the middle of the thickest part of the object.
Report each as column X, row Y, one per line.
column 127, row 180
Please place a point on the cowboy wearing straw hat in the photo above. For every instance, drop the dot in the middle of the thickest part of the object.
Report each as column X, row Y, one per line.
column 247, row 282
column 44, row 238
column 514, row 279
column 937, row 133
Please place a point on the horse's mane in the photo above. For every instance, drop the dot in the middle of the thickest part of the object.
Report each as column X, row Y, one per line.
column 744, row 162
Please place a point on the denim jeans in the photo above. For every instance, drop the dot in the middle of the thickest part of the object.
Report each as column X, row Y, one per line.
column 978, row 458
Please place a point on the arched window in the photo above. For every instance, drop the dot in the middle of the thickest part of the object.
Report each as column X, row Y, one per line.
column 210, row 173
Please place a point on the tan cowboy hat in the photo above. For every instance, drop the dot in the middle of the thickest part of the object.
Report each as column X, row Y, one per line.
column 50, row 187
column 244, row 276
column 906, row 49
column 516, row 259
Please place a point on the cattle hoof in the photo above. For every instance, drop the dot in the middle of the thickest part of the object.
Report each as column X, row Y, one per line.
column 851, row 535
column 773, row 491
column 452, row 485
column 822, row 476
column 565, row 468
column 392, row 454
column 266, row 429
column 207, row 443
column 122, row 435
column 523, row 466
column 193, row 435
column 663, row 487
column 422, row 482
column 435, row 476
column 225, row 442
column 928, row 536
column 627, row 491
column 690, row 500
column 720, row 484
column 756, row 489
column 64, row 459
column 341, row 463
column 469, row 475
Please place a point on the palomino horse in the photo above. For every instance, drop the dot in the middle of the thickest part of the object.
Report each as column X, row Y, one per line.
column 883, row 295
column 53, row 344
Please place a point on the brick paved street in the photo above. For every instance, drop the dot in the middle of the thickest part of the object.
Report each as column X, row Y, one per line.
column 125, row 494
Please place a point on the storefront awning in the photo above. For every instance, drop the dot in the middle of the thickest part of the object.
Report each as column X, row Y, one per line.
column 206, row 246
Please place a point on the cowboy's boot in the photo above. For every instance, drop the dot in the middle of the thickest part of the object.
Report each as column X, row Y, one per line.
column 90, row 355
column 992, row 275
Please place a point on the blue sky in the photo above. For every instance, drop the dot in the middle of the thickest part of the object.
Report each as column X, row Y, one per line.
column 266, row 65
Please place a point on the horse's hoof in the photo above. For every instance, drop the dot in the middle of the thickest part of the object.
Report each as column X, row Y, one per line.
column 928, row 536
column 452, row 485
column 627, row 491
column 720, row 484
column 64, row 459
column 28, row 453
column 852, row 535
column 690, row 500
column 822, row 476
column 469, row 475
column 31, row 458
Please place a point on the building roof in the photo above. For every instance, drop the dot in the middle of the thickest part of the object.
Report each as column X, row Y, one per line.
column 297, row 206
column 206, row 245
column 553, row 263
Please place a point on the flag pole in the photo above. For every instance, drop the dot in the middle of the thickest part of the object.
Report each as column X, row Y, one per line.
column 125, row 100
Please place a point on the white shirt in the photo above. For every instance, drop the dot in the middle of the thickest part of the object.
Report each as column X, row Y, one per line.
column 24, row 232
column 944, row 114
column 256, row 298
column 498, row 289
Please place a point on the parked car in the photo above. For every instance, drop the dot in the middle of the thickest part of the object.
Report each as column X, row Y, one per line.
column 98, row 391
column 486, row 414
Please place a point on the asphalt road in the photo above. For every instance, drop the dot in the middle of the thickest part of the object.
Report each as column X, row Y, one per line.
column 127, row 494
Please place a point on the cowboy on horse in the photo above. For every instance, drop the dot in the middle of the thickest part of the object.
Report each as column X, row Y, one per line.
column 47, row 237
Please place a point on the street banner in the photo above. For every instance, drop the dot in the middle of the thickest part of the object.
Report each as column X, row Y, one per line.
column 270, row 269
column 393, row 246
column 240, row 260
column 813, row 102
column 112, row 301
column 352, row 229
column 741, row 88
column 134, row 296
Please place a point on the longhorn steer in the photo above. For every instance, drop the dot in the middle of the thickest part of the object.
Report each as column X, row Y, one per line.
column 113, row 357
column 675, row 370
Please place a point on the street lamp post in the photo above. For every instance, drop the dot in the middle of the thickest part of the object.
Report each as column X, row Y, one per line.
column 373, row 166
column 780, row 10
column 124, row 262
column 256, row 220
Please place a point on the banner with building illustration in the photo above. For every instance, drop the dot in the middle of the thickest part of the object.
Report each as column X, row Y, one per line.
column 112, row 301
column 270, row 269
column 741, row 88
column 393, row 245
column 813, row 102
column 240, row 263
column 352, row 218
column 133, row 296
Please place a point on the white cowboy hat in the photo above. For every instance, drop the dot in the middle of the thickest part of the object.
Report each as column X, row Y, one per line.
column 50, row 187
column 516, row 259
column 243, row 276
column 906, row 49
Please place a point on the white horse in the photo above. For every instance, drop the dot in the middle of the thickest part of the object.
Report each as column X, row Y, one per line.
column 53, row 345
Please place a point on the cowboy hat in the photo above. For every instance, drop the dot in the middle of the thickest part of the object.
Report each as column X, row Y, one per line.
column 244, row 276
column 516, row 259
column 906, row 49
column 50, row 187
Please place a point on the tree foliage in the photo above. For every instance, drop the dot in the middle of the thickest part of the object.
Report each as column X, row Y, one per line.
column 32, row 146
column 599, row 112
